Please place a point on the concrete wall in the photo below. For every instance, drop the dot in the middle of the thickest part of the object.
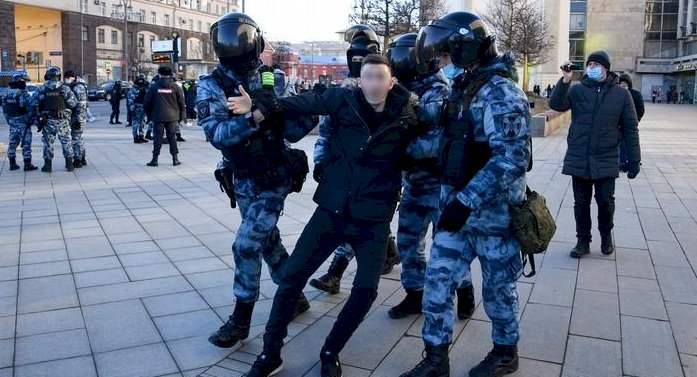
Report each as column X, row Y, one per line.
column 617, row 27
column 7, row 34
column 39, row 29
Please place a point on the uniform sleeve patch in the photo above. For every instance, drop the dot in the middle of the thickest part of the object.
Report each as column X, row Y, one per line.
column 203, row 109
column 511, row 125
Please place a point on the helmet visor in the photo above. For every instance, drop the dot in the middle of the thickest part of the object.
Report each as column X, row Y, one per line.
column 431, row 42
column 234, row 40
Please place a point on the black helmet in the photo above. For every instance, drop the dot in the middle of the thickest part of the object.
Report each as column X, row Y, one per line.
column 402, row 57
column 463, row 35
column 363, row 41
column 140, row 79
column 53, row 73
column 237, row 41
column 18, row 81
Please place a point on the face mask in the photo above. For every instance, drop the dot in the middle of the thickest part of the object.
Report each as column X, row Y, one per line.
column 69, row 80
column 451, row 71
column 595, row 73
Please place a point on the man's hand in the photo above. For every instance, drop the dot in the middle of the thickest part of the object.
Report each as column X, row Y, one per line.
column 241, row 104
column 633, row 169
column 567, row 75
column 454, row 216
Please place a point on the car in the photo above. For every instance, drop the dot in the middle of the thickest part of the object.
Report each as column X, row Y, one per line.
column 103, row 91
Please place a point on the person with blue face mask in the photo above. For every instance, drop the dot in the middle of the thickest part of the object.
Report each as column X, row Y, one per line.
column 602, row 113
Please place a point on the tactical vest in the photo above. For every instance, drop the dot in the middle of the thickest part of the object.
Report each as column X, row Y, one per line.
column 461, row 157
column 140, row 97
column 53, row 100
column 262, row 154
column 12, row 107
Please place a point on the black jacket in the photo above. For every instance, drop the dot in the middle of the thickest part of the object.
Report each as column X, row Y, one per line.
column 636, row 95
column 362, row 171
column 164, row 102
column 601, row 113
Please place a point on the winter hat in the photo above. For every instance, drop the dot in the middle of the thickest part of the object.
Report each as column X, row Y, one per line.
column 601, row 57
column 625, row 78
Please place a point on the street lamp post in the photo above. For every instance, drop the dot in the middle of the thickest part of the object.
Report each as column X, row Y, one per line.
column 124, row 11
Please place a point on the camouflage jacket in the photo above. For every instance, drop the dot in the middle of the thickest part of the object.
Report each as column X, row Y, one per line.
column 66, row 93
column 24, row 100
column 79, row 88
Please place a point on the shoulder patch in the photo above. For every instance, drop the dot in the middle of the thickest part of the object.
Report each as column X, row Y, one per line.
column 203, row 109
column 511, row 125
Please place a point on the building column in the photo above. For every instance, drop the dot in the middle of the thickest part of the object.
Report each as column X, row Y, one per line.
column 690, row 16
column 681, row 19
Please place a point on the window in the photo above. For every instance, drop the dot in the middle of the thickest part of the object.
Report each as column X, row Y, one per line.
column 153, row 18
column 129, row 39
column 83, row 6
column 141, row 40
column 142, row 15
column 208, row 27
column 100, row 35
column 191, row 24
column 152, row 39
column 198, row 6
column 208, row 7
column 85, row 33
column 661, row 29
column 217, row 9
column 102, row 9
column 577, row 22
column 166, row 19
column 198, row 25
column 114, row 37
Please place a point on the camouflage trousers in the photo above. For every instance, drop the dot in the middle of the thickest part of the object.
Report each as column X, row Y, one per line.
column 501, row 264
column 258, row 237
column 60, row 128
column 77, row 140
column 20, row 133
column 418, row 208
column 137, row 121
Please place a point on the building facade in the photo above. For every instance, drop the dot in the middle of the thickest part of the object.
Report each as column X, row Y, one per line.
column 88, row 36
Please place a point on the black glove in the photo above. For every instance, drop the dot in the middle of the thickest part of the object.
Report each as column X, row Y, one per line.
column 633, row 169
column 266, row 103
column 454, row 216
column 318, row 172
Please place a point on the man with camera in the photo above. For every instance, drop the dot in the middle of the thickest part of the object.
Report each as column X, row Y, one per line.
column 602, row 112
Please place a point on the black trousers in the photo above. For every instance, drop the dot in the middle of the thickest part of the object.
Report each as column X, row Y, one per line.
column 115, row 110
column 159, row 130
column 322, row 234
column 605, row 199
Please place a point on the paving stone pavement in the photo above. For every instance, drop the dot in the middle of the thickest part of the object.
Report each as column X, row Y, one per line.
column 119, row 269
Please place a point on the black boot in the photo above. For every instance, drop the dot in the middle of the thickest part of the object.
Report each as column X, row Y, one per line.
column 392, row 258
column 175, row 160
column 582, row 248
column 179, row 137
column 148, row 135
column 13, row 163
column 69, row 164
column 331, row 281
column 142, row 139
column 302, row 306
column 153, row 162
column 84, row 159
column 236, row 328
column 117, row 120
column 607, row 244
column 48, row 165
column 136, row 140
column 410, row 305
column 77, row 163
column 111, row 118
column 28, row 166
column 265, row 365
column 331, row 367
column 435, row 364
column 500, row 361
column 465, row 302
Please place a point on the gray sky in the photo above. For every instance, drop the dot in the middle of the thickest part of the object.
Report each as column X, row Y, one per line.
column 300, row 20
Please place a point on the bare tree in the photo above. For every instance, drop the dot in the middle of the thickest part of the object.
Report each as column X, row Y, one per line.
column 522, row 27
column 391, row 18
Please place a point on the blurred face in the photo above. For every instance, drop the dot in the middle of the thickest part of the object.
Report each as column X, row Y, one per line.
column 444, row 60
column 624, row 85
column 69, row 80
column 375, row 82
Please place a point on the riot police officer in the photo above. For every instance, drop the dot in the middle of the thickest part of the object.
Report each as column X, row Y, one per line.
column 164, row 104
column 362, row 41
column 79, row 117
column 115, row 100
column 256, row 154
column 136, row 100
column 419, row 204
column 52, row 105
column 16, row 106
column 484, row 158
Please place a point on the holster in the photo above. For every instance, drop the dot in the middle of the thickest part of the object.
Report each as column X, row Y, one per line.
column 299, row 167
column 224, row 176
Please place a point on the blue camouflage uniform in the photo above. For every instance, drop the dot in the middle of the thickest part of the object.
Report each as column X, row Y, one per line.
column 260, row 203
column 136, row 96
column 79, row 117
column 421, row 188
column 16, row 107
column 58, row 121
column 500, row 116
column 320, row 151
